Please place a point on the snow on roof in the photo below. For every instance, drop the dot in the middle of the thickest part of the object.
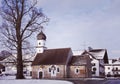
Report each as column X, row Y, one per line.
column 98, row 53
column 116, row 62
column 77, row 52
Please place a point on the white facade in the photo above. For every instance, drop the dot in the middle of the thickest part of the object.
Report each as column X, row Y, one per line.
column 108, row 69
column 95, row 67
column 40, row 46
column 112, row 69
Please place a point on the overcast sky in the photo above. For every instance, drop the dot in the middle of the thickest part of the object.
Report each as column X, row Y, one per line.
column 74, row 23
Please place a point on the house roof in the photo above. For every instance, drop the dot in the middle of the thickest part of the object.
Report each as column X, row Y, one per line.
column 87, row 53
column 1, row 58
column 79, row 60
column 98, row 53
column 116, row 62
column 52, row 56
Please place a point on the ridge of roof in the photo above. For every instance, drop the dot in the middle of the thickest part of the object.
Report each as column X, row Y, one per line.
column 97, row 50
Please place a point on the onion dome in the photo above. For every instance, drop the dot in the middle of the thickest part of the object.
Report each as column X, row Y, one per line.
column 41, row 36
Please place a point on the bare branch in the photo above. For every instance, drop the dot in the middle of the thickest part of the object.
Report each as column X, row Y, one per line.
column 30, row 8
column 20, row 20
column 12, row 10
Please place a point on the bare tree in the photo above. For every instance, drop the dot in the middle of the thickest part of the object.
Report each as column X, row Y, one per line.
column 20, row 19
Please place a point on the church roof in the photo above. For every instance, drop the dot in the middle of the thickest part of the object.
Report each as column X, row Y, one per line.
column 52, row 56
column 41, row 36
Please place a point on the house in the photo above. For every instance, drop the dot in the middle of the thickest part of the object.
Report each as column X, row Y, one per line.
column 58, row 63
column 99, row 57
column 3, row 55
column 10, row 64
column 113, row 68
column 102, row 58
column 80, row 67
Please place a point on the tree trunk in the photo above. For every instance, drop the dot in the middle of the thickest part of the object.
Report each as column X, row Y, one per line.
column 19, row 74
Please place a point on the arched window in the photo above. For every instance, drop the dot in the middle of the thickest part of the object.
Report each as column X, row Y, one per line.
column 76, row 70
column 39, row 43
column 116, row 68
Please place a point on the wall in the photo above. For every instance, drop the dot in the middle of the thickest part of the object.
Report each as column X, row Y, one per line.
column 46, row 73
column 96, row 62
column 81, row 73
column 108, row 70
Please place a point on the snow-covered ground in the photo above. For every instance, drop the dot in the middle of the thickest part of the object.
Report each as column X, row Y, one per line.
column 7, row 77
column 11, row 80
column 34, row 82
column 4, row 77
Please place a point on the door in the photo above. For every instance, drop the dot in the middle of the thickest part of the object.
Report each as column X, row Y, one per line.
column 40, row 75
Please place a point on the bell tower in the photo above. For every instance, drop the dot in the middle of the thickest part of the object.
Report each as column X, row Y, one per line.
column 41, row 40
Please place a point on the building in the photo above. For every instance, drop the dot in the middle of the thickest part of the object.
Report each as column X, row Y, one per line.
column 80, row 67
column 99, row 57
column 9, row 62
column 3, row 55
column 51, row 64
column 113, row 68
column 58, row 63
column 10, row 65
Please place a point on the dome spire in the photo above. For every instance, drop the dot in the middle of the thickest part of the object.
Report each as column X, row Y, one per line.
column 41, row 36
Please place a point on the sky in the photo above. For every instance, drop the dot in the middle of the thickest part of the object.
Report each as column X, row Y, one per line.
column 79, row 24
column 75, row 23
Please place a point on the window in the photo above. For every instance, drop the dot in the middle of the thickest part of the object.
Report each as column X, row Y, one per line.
column 94, row 69
column 116, row 68
column 3, row 70
column 93, row 72
column 77, row 71
column 108, row 67
column 93, row 64
column 39, row 50
column 108, row 75
column 58, row 70
column 39, row 43
column 108, row 72
column 30, row 73
column 49, row 69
